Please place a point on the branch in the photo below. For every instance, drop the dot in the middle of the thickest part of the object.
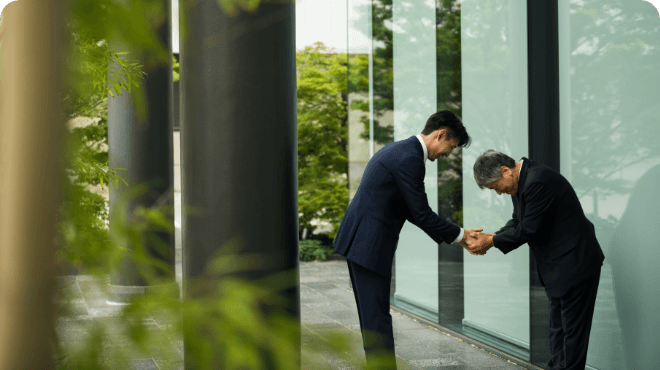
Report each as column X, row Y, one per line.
column 618, row 168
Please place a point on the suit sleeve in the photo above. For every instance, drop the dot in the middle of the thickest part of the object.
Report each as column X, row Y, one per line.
column 539, row 199
column 409, row 177
column 512, row 223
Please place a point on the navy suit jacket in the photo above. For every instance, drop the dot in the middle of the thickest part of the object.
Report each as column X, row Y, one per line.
column 391, row 192
column 548, row 216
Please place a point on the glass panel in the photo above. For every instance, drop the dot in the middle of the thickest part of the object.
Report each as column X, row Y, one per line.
column 359, row 59
column 494, row 72
column 609, row 54
column 414, row 95
column 382, row 96
column 450, row 169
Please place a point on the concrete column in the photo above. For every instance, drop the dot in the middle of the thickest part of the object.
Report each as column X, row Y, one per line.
column 239, row 141
column 143, row 146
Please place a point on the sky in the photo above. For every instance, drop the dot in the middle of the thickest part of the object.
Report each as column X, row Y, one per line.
column 316, row 20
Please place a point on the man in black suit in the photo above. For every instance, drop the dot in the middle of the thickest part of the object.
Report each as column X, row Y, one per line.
column 548, row 216
column 391, row 192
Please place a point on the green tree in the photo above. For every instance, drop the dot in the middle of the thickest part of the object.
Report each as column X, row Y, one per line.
column 322, row 137
column 383, row 74
column 449, row 97
column 84, row 238
column 448, row 56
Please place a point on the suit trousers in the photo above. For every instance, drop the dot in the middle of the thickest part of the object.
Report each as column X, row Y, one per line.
column 372, row 297
column 570, row 325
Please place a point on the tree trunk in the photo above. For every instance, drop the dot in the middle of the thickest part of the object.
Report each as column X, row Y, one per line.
column 31, row 128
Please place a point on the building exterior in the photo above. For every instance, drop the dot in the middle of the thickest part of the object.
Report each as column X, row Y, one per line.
column 571, row 84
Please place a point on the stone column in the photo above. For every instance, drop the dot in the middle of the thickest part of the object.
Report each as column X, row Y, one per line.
column 239, row 141
column 143, row 146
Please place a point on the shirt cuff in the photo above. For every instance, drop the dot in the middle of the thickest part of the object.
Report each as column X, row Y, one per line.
column 460, row 237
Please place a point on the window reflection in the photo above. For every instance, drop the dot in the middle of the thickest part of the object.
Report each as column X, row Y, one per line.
column 609, row 68
column 450, row 172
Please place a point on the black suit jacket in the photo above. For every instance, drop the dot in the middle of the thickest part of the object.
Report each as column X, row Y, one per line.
column 548, row 216
column 391, row 191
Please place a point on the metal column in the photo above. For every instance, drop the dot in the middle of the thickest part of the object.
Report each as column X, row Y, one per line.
column 543, row 80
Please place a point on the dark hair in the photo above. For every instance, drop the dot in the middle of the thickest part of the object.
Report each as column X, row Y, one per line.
column 450, row 121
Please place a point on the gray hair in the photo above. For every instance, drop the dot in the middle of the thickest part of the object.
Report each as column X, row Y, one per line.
column 487, row 168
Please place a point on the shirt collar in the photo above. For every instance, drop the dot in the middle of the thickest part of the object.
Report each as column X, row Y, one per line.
column 519, row 171
column 426, row 151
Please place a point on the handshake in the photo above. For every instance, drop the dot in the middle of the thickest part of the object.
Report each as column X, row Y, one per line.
column 475, row 242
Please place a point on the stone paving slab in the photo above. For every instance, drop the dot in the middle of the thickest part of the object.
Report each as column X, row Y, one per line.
column 327, row 308
column 418, row 346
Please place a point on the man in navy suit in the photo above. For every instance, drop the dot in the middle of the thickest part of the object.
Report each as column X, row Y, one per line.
column 548, row 216
column 391, row 192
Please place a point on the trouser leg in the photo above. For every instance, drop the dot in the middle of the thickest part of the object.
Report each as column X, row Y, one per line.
column 372, row 296
column 556, row 334
column 575, row 311
column 357, row 301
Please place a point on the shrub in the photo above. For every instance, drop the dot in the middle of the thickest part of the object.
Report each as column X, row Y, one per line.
column 311, row 250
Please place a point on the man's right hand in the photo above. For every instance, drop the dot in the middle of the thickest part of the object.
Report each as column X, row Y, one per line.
column 470, row 238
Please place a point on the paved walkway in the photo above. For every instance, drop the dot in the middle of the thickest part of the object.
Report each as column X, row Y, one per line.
column 327, row 308
column 327, row 303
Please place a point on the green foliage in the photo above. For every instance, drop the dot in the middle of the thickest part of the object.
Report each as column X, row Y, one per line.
column 322, row 137
column 358, row 73
column 313, row 250
column 448, row 63
column 226, row 321
column 93, row 72
column 229, row 321
column 448, row 56
column 231, row 7
column 175, row 70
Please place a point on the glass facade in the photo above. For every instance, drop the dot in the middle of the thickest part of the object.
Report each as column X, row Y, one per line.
column 494, row 64
column 408, row 60
column 414, row 100
column 609, row 67
column 360, row 91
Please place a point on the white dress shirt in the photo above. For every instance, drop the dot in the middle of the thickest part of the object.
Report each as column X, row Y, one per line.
column 426, row 151
column 426, row 156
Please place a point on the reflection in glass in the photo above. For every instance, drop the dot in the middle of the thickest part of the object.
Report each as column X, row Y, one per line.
column 450, row 169
column 359, row 58
column 609, row 89
column 414, row 100
column 383, row 95
column 494, row 105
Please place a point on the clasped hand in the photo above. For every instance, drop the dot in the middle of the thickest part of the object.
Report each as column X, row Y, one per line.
column 476, row 242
